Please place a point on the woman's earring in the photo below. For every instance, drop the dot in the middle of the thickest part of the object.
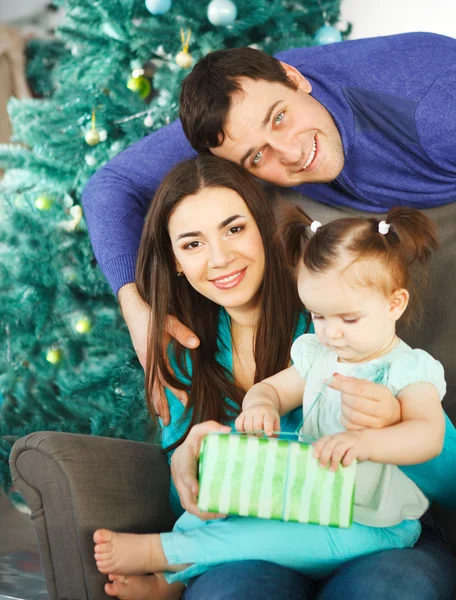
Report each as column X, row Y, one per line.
column 180, row 273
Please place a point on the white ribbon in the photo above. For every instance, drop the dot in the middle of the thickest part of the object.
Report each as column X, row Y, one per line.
column 383, row 227
column 315, row 225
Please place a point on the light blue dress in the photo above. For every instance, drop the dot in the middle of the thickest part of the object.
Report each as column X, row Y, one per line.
column 384, row 495
column 312, row 550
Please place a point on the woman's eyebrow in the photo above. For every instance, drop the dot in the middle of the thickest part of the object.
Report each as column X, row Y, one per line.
column 220, row 226
column 229, row 220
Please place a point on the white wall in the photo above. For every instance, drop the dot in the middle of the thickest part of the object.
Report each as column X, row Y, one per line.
column 385, row 17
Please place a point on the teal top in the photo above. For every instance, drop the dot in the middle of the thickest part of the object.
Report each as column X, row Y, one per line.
column 178, row 425
column 435, row 477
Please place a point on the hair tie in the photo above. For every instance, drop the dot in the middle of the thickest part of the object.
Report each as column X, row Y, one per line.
column 315, row 225
column 383, row 227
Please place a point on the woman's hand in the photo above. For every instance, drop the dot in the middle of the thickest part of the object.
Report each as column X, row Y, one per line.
column 184, row 467
column 259, row 417
column 342, row 448
column 366, row 405
column 136, row 314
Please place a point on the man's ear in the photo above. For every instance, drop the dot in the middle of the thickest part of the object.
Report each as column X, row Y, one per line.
column 398, row 302
column 295, row 76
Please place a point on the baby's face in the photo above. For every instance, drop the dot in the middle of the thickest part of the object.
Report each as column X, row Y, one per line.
column 357, row 323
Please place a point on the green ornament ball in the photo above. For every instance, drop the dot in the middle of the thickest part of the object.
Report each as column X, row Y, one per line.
column 43, row 203
column 54, row 356
column 140, row 85
column 83, row 325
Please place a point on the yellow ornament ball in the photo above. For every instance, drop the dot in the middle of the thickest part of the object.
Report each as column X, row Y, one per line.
column 54, row 356
column 83, row 325
column 43, row 203
column 140, row 85
column 184, row 59
column 92, row 137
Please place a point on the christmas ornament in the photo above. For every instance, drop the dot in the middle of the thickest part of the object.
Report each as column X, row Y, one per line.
column 76, row 213
column 148, row 121
column 91, row 161
column 140, row 85
column 83, row 325
column 92, row 137
column 54, row 356
column 184, row 59
column 327, row 35
column 43, row 203
column 222, row 12
column 158, row 7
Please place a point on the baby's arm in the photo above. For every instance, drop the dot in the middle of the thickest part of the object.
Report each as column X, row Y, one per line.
column 269, row 399
column 416, row 439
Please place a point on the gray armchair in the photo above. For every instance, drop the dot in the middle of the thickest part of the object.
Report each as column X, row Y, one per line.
column 75, row 484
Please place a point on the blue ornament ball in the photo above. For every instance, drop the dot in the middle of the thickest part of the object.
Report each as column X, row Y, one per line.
column 327, row 35
column 158, row 7
column 222, row 12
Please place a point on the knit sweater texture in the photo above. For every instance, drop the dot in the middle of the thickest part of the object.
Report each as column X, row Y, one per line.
column 393, row 100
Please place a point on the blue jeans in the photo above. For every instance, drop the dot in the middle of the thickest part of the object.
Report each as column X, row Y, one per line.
column 425, row 572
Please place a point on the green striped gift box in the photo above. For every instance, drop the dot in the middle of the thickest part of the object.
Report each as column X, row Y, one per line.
column 272, row 478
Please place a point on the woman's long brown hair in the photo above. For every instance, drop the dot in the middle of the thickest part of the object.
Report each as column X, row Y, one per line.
column 213, row 393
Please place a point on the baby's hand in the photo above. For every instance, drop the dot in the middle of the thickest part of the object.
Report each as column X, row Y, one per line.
column 342, row 448
column 259, row 417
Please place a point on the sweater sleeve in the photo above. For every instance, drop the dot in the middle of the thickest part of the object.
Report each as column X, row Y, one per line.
column 436, row 122
column 117, row 197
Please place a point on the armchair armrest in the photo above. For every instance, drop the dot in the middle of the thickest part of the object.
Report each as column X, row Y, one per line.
column 75, row 484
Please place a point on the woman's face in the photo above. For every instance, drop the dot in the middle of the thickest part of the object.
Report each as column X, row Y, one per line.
column 218, row 247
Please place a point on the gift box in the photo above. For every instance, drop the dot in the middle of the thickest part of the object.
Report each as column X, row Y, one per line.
column 272, row 478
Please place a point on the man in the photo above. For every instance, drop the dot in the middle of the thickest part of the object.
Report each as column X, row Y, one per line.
column 358, row 126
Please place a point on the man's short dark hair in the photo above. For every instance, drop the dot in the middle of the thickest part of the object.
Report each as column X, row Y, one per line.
column 207, row 91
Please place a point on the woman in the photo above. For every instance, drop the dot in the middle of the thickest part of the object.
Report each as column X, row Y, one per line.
column 207, row 244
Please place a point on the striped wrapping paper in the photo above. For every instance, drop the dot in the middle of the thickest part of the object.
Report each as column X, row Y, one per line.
column 272, row 478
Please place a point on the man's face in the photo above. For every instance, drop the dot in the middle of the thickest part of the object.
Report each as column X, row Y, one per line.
column 282, row 135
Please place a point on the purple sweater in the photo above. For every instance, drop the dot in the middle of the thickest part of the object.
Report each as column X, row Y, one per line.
column 393, row 100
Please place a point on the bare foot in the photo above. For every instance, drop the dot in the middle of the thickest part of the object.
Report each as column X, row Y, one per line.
column 143, row 588
column 128, row 553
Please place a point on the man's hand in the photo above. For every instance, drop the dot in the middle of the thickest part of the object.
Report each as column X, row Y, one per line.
column 136, row 314
column 342, row 448
column 259, row 417
column 184, row 465
column 366, row 404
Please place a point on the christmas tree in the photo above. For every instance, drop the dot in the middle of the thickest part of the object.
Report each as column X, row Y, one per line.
column 66, row 361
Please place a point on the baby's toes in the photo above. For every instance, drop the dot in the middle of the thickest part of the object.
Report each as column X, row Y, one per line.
column 114, row 589
column 102, row 536
column 119, row 578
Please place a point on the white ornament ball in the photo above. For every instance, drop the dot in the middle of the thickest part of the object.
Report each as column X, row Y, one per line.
column 148, row 121
column 158, row 7
column 103, row 135
column 222, row 12
column 76, row 213
column 184, row 60
column 92, row 137
column 91, row 161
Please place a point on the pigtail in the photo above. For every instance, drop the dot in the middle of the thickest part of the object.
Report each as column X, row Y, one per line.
column 411, row 238
column 293, row 230
column 416, row 232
